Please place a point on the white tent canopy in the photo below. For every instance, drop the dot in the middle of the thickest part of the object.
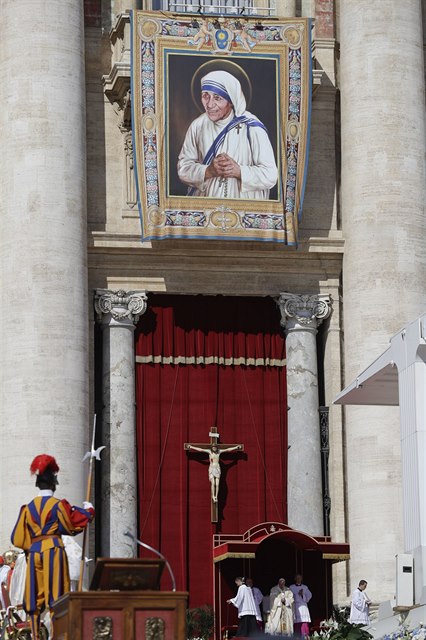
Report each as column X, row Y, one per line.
column 377, row 384
column 398, row 376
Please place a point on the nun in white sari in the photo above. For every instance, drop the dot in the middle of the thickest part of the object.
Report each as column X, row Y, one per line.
column 281, row 617
column 227, row 152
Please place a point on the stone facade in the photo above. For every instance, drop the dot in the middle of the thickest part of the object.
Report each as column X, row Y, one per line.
column 119, row 260
column 361, row 245
column 384, row 277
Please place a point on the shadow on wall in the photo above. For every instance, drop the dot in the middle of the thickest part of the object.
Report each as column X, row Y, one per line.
column 323, row 179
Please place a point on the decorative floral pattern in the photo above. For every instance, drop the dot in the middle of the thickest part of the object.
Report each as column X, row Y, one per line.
column 148, row 105
column 263, row 221
column 147, row 75
column 231, row 34
column 151, row 171
column 185, row 219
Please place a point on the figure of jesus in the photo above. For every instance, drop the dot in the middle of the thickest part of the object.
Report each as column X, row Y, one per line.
column 214, row 466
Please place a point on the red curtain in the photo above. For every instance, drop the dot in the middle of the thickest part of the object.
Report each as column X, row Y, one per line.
column 210, row 329
column 179, row 403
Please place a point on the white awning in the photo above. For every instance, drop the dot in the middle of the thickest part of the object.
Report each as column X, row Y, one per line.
column 376, row 385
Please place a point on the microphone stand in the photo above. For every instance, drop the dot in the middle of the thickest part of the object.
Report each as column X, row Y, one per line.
column 160, row 555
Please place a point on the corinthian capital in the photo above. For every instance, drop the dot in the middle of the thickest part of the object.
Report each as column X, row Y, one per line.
column 119, row 307
column 303, row 312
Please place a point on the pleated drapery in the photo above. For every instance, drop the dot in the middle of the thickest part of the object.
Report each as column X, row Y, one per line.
column 180, row 402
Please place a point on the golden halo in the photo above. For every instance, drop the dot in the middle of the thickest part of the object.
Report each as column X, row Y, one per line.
column 219, row 64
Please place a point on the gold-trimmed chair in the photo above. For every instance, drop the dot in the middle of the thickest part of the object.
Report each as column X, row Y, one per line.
column 15, row 627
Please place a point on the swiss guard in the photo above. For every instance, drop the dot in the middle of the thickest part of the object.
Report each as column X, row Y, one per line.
column 38, row 531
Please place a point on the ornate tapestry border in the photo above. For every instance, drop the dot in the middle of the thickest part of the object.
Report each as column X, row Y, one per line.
column 165, row 215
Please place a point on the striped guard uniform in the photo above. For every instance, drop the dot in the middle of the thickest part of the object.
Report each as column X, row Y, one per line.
column 38, row 532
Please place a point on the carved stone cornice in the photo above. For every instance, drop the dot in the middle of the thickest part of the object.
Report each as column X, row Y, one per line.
column 121, row 308
column 117, row 82
column 303, row 312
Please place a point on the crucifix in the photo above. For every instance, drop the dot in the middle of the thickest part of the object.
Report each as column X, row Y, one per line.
column 213, row 449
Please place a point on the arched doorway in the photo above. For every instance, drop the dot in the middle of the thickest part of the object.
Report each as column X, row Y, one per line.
column 277, row 557
column 270, row 551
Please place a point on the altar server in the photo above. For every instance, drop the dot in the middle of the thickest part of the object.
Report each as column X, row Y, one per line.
column 247, row 612
column 38, row 531
column 302, row 596
column 360, row 605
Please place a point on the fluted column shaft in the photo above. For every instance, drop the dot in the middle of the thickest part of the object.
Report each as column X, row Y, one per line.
column 384, row 274
column 43, row 244
column 118, row 313
column 301, row 315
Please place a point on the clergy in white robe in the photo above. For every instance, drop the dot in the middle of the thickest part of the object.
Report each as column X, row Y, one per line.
column 74, row 554
column 281, row 616
column 247, row 612
column 258, row 598
column 278, row 588
column 360, row 605
column 227, row 152
column 17, row 582
column 302, row 596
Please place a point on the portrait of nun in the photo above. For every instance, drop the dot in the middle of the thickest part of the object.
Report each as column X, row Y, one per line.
column 226, row 152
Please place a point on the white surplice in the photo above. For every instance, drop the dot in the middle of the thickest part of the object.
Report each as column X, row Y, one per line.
column 280, row 619
column 258, row 598
column 244, row 601
column 301, row 611
column 359, row 608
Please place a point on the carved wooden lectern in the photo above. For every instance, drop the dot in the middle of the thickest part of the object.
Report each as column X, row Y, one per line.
column 124, row 603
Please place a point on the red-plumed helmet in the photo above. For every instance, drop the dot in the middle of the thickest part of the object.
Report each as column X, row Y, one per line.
column 42, row 463
column 45, row 468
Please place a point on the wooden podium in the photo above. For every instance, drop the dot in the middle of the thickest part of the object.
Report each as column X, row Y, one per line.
column 137, row 610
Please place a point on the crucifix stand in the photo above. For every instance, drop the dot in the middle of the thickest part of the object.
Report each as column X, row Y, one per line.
column 213, row 449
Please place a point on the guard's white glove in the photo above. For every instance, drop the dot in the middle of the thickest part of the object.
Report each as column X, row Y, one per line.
column 87, row 505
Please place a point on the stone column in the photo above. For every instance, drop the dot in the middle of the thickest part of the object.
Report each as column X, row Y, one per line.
column 118, row 312
column 384, row 270
column 300, row 316
column 43, row 247
column 307, row 8
column 286, row 8
column 324, row 18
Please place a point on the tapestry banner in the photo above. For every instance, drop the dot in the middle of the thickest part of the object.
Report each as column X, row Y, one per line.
column 220, row 118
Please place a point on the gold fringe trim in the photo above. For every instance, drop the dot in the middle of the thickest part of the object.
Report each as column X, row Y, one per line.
column 250, row 362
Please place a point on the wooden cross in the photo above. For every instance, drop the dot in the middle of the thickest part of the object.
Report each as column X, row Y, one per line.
column 213, row 449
